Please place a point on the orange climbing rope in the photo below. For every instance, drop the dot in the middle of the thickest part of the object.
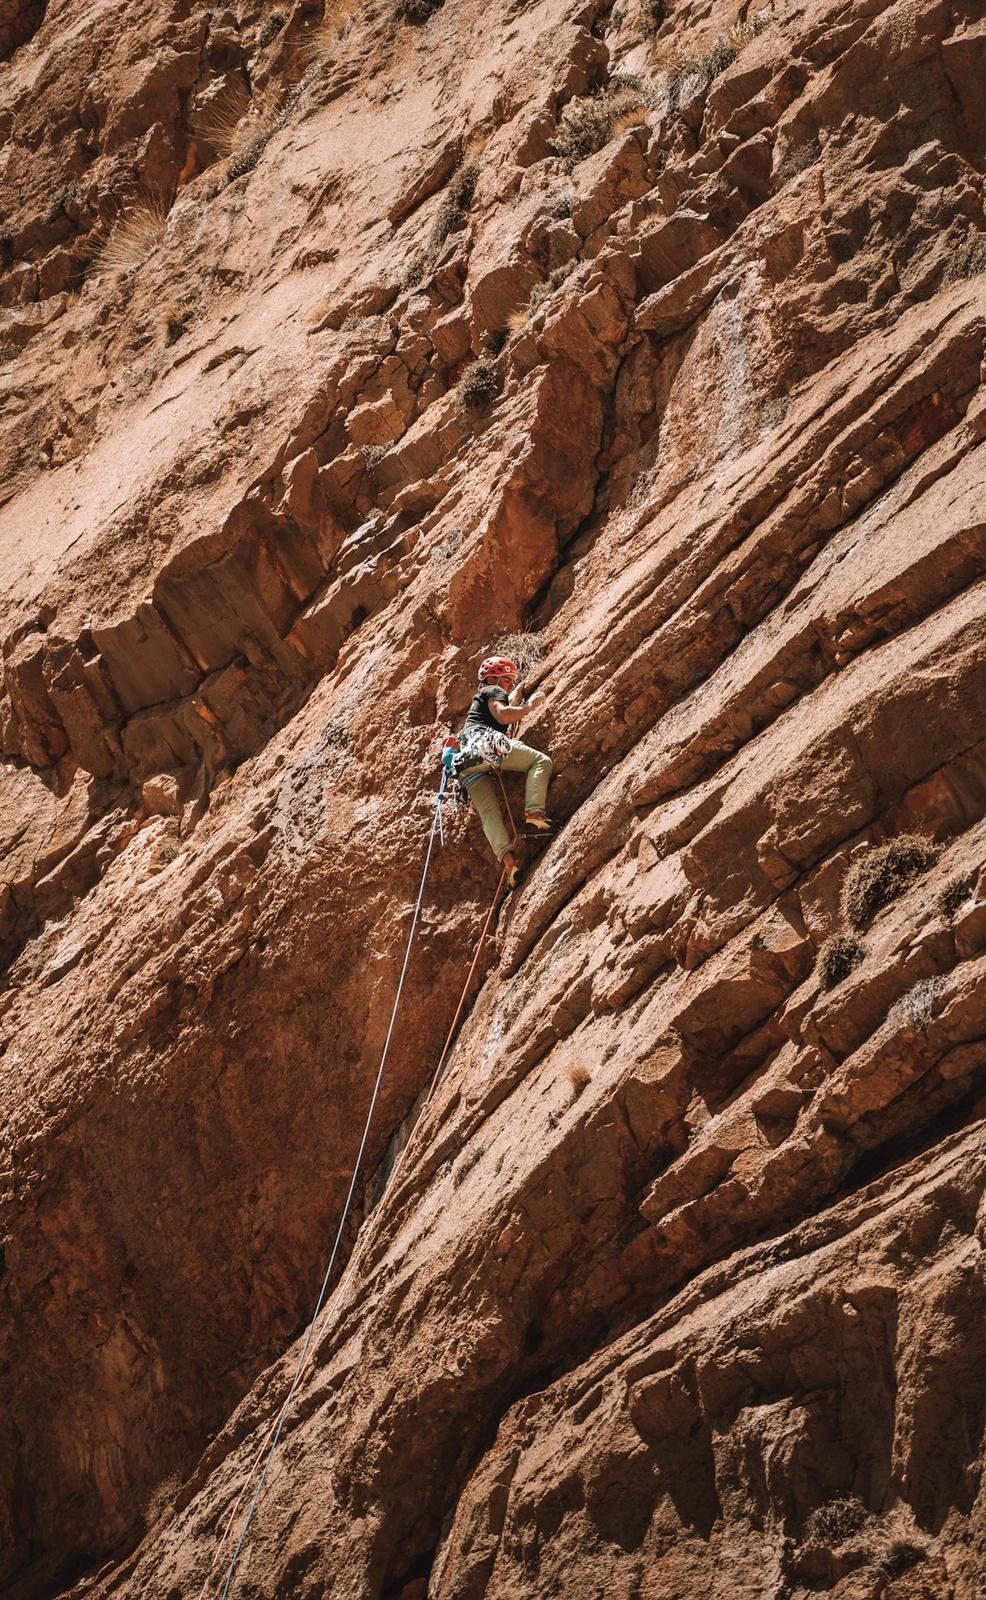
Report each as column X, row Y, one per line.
column 475, row 960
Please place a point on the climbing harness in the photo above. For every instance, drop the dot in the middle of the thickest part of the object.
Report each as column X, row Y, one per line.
column 272, row 1439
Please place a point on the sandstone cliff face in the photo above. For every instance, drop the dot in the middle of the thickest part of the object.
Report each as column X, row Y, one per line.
column 674, row 1287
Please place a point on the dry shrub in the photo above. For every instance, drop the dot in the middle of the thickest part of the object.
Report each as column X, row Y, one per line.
column 416, row 10
column 917, row 1008
column 373, row 454
column 447, row 547
column 543, row 291
column 527, row 649
column 799, row 159
column 270, row 28
column 685, row 67
column 480, row 383
column 449, row 218
column 580, row 1078
column 174, row 322
column 246, row 159
column 587, row 125
column 954, row 894
column 417, row 268
column 465, row 1164
column 133, row 237
column 456, row 201
column 900, row 1556
column 882, row 874
column 837, row 1520
column 838, row 957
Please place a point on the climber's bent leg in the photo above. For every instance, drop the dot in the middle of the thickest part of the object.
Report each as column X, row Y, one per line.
column 483, row 795
column 537, row 765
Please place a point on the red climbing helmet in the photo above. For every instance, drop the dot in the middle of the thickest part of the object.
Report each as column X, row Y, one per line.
column 497, row 667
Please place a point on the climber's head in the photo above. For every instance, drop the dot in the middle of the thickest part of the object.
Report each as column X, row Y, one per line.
column 499, row 671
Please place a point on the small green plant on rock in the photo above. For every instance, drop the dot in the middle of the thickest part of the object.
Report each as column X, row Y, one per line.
column 884, row 872
column 480, row 383
column 838, row 957
column 954, row 894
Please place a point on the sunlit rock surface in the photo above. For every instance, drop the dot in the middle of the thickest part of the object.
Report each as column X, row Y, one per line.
column 675, row 1290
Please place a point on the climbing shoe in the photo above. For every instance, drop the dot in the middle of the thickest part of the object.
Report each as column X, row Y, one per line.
column 538, row 821
column 511, row 867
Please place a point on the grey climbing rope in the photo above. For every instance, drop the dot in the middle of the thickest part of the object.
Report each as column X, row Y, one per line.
column 303, row 1357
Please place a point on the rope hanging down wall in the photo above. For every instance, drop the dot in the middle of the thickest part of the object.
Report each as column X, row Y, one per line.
column 268, row 1447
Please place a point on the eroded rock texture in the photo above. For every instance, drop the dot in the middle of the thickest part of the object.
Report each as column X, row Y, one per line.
column 674, row 1288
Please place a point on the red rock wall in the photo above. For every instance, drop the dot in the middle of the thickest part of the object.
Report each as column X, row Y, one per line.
column 677, row 1289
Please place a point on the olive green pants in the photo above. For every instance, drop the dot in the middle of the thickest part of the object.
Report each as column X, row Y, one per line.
column 484, row 794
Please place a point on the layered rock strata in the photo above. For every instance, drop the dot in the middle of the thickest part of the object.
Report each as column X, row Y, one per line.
column 336, row 349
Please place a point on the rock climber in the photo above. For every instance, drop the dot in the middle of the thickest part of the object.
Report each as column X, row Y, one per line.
column 499, row 704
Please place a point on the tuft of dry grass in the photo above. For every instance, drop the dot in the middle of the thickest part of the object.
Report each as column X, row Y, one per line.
column 321, row 309
column 336, row 22
column 954, row 894
column 838, row 957
column 220, row 123
column 579, row 1077
column 884, row 872
column 373, row 454
column 133, row 237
